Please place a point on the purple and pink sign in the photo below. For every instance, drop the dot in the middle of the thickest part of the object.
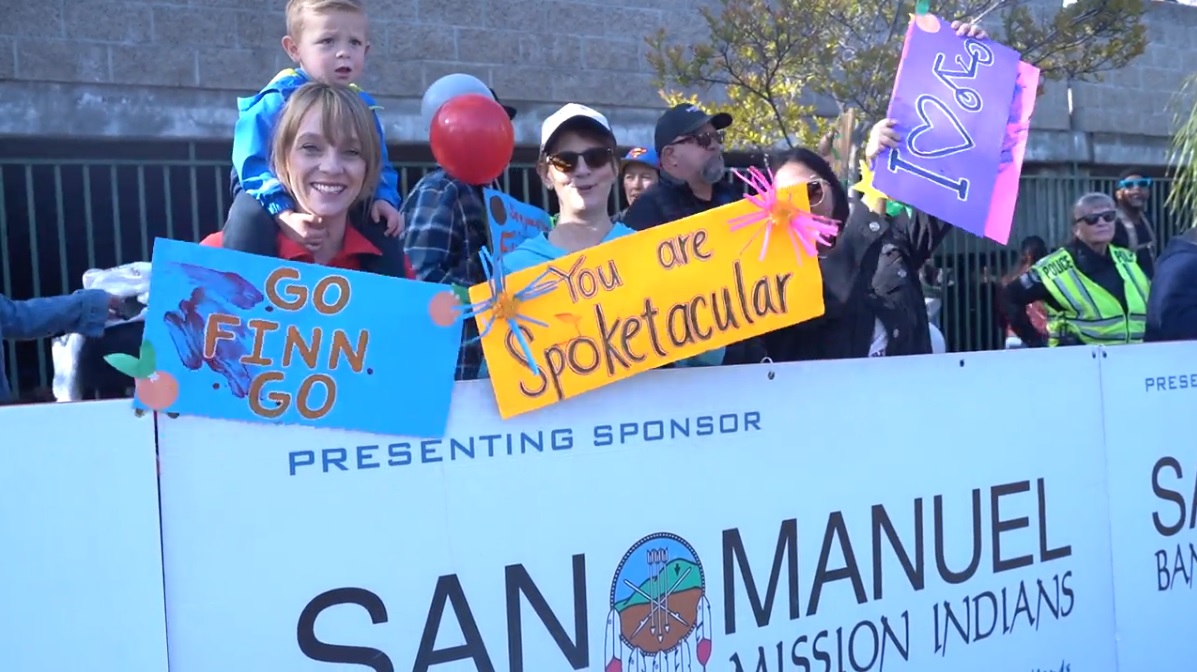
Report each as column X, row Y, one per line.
column 963, row 108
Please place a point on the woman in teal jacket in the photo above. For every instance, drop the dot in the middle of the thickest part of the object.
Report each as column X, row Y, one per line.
column 577, row 163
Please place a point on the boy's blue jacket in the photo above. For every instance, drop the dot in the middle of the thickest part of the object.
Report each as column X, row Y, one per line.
column 255, row 129
column 538, row 250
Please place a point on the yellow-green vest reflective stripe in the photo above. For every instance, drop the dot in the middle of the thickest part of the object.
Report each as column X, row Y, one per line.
column 1090, row 314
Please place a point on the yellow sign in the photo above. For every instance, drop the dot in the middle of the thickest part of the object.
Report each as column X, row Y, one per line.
column 645, row 300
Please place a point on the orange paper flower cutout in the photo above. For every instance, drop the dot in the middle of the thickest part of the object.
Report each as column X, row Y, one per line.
column 778, row 212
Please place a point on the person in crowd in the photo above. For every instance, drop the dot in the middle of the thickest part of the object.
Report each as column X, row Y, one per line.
column 641, row 169
column 80, row 371
column 446, row 229
column 328, row 41
column 1095, row 292
column 689, row 144
column 873, row 295
column 1031, row 250
column 577, row 163
column 83, row 312
column 1134, row 230
column 328, row 157
column 1172, row 305
column 689, row 147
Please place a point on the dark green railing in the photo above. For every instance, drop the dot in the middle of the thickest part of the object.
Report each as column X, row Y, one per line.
column 59, row 217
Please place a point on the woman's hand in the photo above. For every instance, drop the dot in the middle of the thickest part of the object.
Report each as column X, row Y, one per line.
column 882, row 135
column 964, row 29
column 383, row 211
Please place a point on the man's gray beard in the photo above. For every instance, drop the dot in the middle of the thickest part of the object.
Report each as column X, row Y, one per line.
column 712, row 171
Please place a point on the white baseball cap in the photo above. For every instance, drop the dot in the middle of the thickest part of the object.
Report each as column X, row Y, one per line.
column 571, row 113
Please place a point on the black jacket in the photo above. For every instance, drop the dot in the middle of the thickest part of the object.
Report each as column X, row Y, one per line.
column 1172, row 303
column 1029, row 288
column 870, row 274
column 670, row 200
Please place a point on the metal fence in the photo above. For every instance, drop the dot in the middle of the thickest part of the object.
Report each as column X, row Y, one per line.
column 60, row 216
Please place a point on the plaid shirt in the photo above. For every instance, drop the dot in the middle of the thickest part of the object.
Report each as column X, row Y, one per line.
column 446, row 228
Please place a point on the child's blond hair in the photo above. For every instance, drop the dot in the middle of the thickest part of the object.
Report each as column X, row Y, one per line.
column 344, row 118
column 296, row 9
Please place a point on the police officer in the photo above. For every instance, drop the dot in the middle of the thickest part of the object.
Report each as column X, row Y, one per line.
column 1095, row 293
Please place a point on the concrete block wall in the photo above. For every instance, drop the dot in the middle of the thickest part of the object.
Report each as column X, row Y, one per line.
column 172, row 68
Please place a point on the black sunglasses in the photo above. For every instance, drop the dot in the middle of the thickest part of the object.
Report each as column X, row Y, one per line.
column 816, row 191
column 703, row 140
column 1141, row 183
column 1107, row 216
column 567, row 162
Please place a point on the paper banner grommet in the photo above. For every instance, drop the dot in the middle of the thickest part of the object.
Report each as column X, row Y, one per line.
column 771, row 373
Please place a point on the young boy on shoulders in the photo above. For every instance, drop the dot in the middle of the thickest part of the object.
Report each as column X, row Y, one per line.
column 328, row 40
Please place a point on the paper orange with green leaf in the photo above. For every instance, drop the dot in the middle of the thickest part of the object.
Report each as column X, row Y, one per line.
column 645, row 300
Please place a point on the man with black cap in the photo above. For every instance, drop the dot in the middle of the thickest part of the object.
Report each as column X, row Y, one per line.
column 446, row 228
column 689, row 143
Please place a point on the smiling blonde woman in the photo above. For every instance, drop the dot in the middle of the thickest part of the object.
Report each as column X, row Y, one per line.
column 328, row 156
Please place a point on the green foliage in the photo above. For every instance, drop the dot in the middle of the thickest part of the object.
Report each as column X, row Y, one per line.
column 768, row 61
column 1183, row 198
column 761, row 54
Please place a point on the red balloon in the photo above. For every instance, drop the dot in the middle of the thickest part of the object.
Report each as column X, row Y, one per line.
column 472, row 138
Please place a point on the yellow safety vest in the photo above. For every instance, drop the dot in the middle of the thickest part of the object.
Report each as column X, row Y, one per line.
column 1089, row 313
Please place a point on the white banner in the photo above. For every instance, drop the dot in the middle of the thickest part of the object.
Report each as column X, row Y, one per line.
column 1150, row 396
column 918, row 513
column 80, row 551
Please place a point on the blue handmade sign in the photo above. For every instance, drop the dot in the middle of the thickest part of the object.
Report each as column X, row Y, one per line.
column 952, row 103
column 245, row 337
column 512, row 221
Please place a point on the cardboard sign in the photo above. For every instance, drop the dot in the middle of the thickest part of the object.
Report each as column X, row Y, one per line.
column 512, row 221
column 649, row 299
column 246, row 337
column 952, row 100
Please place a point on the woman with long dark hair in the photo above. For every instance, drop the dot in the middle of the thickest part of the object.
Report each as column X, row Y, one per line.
column 874, row 303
